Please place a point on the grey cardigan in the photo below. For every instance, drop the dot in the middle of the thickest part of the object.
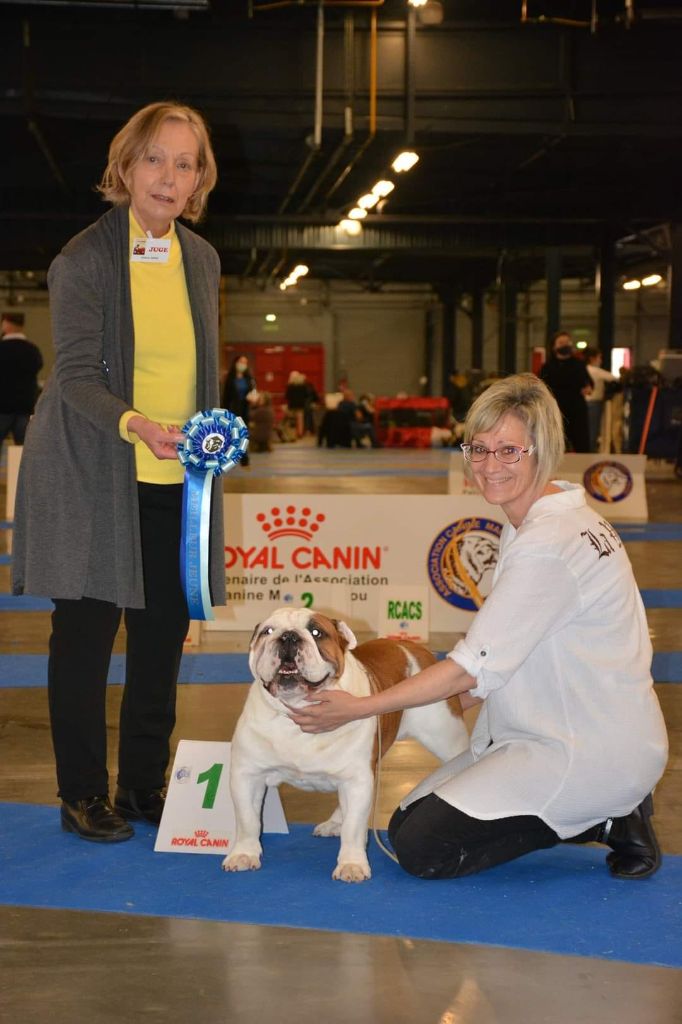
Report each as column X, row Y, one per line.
column 77, row 528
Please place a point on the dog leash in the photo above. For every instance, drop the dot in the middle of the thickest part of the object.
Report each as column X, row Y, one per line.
column 375, row 807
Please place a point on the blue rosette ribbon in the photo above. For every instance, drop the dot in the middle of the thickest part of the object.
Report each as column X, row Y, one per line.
column 215, row 441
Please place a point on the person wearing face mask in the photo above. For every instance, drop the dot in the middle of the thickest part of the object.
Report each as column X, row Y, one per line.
column 239, row 391
column 134, row 312
column 567, row 378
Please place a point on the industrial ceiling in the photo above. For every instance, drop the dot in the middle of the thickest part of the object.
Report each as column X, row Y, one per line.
column 546, row 125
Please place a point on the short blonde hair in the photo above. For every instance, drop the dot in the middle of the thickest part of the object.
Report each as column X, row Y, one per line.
column 134, row 139
column 528, row 398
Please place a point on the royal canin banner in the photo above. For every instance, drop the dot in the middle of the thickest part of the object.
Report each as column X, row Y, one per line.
column 334, row 553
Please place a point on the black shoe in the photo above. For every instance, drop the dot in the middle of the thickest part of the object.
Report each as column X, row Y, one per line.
column 140, row 804
column 94, row 819
column 636, row 853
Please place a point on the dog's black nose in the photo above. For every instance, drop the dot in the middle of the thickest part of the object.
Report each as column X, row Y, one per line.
column 288, row 642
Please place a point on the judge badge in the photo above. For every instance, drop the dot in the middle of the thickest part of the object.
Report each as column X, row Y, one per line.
column 150, row 250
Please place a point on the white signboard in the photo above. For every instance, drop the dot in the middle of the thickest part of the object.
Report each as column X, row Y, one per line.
column 404, row 613
column 199, row 814
column 341, row 550
column 614, row 484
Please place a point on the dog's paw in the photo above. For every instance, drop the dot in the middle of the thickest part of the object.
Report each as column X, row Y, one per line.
column 331, row 827
column 241, row 862
column 352, row 872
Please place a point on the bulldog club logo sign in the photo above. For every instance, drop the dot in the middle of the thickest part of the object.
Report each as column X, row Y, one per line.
column 462, row 559
column 608, row 481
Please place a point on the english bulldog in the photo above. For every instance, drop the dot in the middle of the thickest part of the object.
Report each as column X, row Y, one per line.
column 296, row 653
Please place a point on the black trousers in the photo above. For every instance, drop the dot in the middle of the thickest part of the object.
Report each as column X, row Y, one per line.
column 83, row 634
column 432, row 839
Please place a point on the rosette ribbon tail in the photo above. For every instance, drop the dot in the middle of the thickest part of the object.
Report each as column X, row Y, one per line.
column 215, row 441
column 194, row 543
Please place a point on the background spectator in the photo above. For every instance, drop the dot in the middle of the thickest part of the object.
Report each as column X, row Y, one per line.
column 459, row 393
column 312, row 401
column 20, row 363
column 595, row 400
column 261, row 423
column 296, row 396
column 568, row 380
column 363, row 424
column 239, row 391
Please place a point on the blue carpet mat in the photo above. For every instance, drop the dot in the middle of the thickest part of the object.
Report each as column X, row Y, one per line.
column 556, row 901
column 667, row 667
column 24, row 603
column 652, row 598
column 30, row 670
column 649, row 531
column 659, row 598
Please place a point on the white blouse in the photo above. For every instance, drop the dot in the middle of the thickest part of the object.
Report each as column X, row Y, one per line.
column 571, row 730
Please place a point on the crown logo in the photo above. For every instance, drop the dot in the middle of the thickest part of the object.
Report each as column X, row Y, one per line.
column 201, row 833
column 290, row 522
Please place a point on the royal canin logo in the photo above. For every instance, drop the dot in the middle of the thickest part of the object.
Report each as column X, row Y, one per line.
column 201, row 840
column 305, row 524
column 289, row 522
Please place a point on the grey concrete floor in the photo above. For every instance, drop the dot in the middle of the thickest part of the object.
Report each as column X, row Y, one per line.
column 67, row 966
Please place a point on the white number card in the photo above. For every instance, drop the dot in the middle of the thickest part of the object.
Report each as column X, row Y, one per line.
column 199, row 814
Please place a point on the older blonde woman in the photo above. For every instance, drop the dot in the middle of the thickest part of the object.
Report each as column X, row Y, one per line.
column 570, row 739
column 134, row 305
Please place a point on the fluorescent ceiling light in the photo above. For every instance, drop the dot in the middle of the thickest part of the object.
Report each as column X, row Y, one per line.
column 368, row 201
column 404, row 161
column 651, row 279
column 357, row 213
column 383, row 188
column 631, row 286
column 351, row 227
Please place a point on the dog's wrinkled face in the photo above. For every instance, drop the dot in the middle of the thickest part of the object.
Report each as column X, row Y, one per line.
column 297, row 652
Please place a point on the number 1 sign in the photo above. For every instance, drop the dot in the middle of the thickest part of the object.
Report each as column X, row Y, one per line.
column 199, row 815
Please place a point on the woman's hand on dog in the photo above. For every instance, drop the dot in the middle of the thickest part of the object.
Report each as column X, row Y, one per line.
column 328, row 710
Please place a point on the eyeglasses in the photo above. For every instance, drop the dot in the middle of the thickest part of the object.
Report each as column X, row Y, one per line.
column 508, row 453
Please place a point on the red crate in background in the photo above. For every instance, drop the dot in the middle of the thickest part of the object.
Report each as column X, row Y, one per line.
column 407, row 422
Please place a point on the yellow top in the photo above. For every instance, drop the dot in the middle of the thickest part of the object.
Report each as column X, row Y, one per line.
column 164, row 376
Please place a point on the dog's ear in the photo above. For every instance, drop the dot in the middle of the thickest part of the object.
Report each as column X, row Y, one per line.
column 347, row 634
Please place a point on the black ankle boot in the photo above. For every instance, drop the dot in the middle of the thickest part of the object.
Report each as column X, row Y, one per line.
column 636, row 853
column 140, row 804
column 94, row 819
